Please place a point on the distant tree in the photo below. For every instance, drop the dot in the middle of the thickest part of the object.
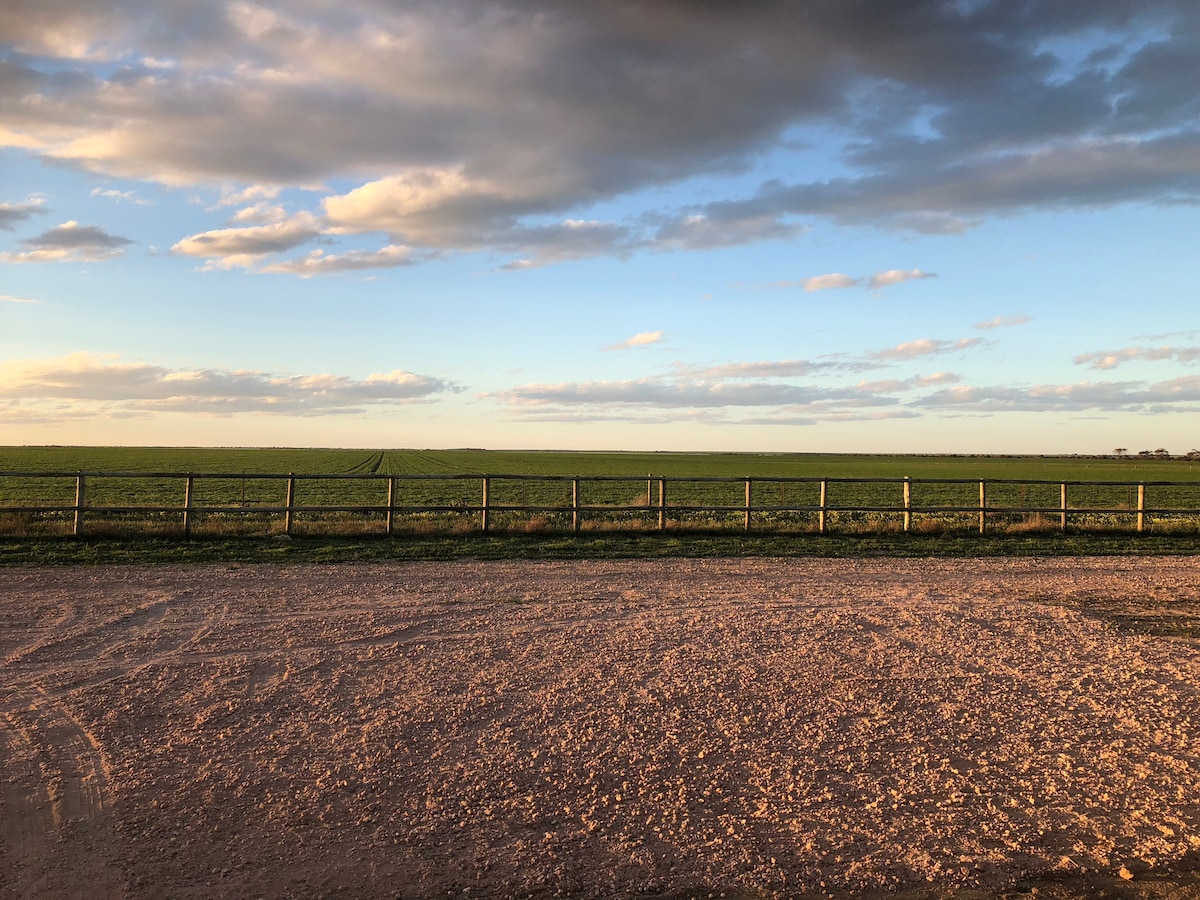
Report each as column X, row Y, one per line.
column 1162, row 453
column 1192, row 454
column 1120, row 451
column 1145, row 454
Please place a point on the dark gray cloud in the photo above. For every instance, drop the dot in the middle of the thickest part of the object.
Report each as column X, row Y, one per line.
column 73, row 236
column 495, row 126
column 69, row 241
column 11, row 214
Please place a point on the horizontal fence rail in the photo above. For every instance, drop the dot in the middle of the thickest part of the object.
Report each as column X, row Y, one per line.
column 79, row 502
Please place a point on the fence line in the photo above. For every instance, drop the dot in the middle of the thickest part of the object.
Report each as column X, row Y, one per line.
column 655, row 503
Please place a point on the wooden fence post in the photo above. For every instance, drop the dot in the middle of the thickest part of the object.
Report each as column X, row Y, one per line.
column 391, row 507
column 662, row 503
column 291, row 502
column 484, row 524
column 187, row 506
column 80, row 500
column 982, row 506
column 1062, row 523
column 823, row 512
column 576, row 520
column 1141, row 515
column 748, row 484
column 907, row 503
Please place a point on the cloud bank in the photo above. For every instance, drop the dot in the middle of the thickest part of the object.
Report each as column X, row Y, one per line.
column 85, row 384
column 453, row 126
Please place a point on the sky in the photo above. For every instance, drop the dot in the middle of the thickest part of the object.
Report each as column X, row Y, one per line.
column 858, row 226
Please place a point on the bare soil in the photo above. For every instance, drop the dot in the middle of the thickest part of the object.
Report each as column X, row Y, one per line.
column 679, row 728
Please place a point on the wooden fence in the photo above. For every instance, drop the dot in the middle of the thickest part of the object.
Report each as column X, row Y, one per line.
column 660, row 502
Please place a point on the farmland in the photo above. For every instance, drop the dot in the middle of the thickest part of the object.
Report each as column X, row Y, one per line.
column 440, row 490
column 567, row 463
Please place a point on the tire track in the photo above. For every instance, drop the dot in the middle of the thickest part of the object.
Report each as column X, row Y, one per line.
column 57, row 834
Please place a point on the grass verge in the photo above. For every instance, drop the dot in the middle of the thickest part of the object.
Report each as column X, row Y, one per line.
column 63, row 551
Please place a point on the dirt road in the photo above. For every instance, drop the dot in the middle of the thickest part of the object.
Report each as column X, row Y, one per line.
column 599, row 729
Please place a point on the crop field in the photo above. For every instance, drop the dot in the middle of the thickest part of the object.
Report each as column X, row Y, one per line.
column 442, row 490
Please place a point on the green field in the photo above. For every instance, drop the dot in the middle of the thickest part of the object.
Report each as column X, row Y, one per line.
column 238, row 503
column 439, row 462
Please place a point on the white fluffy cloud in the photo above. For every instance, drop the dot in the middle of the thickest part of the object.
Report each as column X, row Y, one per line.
column 643, row 339
column 896, row 276
column 243, row 247
column 832, row 281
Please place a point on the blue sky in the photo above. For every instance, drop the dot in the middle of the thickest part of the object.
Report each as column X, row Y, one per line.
column 865, row 227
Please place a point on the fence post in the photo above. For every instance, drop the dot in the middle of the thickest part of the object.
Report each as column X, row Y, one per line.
column 483, row 513
column 662, row 503
column 575, row 515
column 822, row 513
column 907, row 503
column 1062, row 523
column 391, row 506
column 982, row 506
column 187, row 506
column 80, row 500
column 748, row 484
column 1141, row 517
column 291, row 502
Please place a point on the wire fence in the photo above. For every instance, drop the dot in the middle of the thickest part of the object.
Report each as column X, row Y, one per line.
column 100, row 503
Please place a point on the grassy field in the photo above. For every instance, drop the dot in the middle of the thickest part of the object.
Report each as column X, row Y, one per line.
column 568, row 463
column 358, row 479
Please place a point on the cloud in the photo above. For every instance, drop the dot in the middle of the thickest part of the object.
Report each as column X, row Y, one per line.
column 318, row 262
column 465, row 127
column 896, row 276
column 920, row 348
column 119, row 196
column 13, row 213
column 1110, row 359
column 1002, row 322
column 1176, row 396
column 228, row 248
column 661, row 393
column 557, row 242
column 105, row 384
column 69, row 242
column 8, row 298
column 644, row 339
column 833, row 280
column 788, row 368
column 253, row 194
column 708, row 231
column 839, row 280
column 261, row 213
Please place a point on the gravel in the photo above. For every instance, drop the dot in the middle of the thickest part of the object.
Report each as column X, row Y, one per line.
column 594, row 729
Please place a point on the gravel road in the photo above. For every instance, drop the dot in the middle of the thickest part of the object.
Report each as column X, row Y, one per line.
column 599, row 729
